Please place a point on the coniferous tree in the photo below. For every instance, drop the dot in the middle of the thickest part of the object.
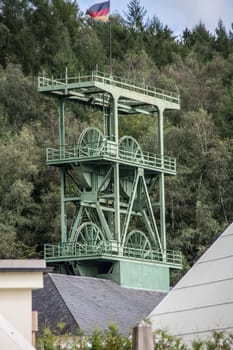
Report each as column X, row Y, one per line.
column 201, row 41
column 135, row 16
column 223, row 44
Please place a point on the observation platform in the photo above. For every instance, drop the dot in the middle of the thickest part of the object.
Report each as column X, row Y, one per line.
column 97, row 87
column 110, row 152
column 107, row 250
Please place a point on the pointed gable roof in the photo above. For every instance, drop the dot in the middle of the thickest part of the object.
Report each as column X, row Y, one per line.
column 89, row 303
column 202, row 301
column 51, row 308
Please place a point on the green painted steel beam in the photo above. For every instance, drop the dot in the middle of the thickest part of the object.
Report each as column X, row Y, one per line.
column 71, row 154
column 111, row 181
column 74, row 251
column 114, row 86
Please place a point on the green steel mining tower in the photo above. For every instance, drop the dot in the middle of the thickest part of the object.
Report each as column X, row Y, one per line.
column 113, row 233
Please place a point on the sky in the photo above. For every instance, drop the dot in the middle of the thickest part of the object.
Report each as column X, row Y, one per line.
column 178, row 14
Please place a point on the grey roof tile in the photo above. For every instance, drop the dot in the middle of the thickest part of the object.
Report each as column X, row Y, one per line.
column 89, row 303
column 52, row 308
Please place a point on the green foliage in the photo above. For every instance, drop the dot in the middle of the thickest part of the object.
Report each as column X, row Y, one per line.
column 47, row 341
column 37, row 35
column 163, row 340
column 200, row 41
column 142, row 128
column 160, row 43
column 197, row 213
column 19, row 100
column 11, row 248
column 111, row 339
column 135, row 17
column 223, row 43
column 217, row 341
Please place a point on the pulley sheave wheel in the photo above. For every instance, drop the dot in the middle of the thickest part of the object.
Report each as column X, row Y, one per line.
column 89, row 142
column 129, row 149
column 89, row 145
column 139, row 243
column 89, row 233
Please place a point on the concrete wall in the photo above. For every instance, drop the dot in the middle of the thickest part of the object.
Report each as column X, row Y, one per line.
column 140, row 275
column 16, row 307
column 17, row 279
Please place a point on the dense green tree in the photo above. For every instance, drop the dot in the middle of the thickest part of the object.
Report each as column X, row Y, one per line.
column 12, row 24
column 93, row 46
column 19, row 100
column 51, row 35
column 135, row 23
column 135, row 16
column 224, row 117
column 200, row 40
column 17, row 187
column 160, row 42
column 39, row 34
column 223, row 43
column 197, row 213
column 121, row 38
column 57, row 33
column 137, row 66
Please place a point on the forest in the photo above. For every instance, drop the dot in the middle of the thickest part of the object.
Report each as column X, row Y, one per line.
column 51, row 35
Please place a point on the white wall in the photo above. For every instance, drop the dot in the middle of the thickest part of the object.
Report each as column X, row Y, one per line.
column 17, row 279
column 202, row 301
column 16, row 307
column 31, row 280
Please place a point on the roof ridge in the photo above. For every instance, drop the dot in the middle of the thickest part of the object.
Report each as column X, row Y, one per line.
column 67, row 306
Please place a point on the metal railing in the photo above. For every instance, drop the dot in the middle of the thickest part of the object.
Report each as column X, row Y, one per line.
column 99, row 77
column 71, row 250
column 110, row 151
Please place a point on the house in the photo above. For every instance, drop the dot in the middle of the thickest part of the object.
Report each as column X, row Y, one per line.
column 202, row 301
column 88, row 303
column 17, row 280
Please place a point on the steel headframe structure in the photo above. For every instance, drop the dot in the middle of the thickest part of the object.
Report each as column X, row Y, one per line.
column 113, row 232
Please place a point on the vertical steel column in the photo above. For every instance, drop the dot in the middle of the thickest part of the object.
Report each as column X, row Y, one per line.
column 116, row 172
column 161, row 183
column 63, row 207
column 62, row 171
column 61, row 126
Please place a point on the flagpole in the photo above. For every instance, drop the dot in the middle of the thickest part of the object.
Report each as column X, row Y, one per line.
column 110, row 46
column 110, row 40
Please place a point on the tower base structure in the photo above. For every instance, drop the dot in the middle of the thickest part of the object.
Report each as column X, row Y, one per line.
column 140, row 275
column 129, row 269
column 129, row 274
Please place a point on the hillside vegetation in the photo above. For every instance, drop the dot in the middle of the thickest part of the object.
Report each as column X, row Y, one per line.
column 50, row 35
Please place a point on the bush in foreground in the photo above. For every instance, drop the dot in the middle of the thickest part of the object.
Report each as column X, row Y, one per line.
column 111, row 339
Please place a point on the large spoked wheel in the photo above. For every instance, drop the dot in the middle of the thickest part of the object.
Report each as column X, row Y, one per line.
column 137, row 244
column 89, row 142
column 88, row 232
column 89, row 236
column 129, row 149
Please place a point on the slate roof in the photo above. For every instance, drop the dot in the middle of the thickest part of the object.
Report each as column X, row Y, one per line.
column 89, row 303
column 202, row 301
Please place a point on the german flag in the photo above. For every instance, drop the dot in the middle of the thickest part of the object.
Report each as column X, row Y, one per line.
column 99, row 11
